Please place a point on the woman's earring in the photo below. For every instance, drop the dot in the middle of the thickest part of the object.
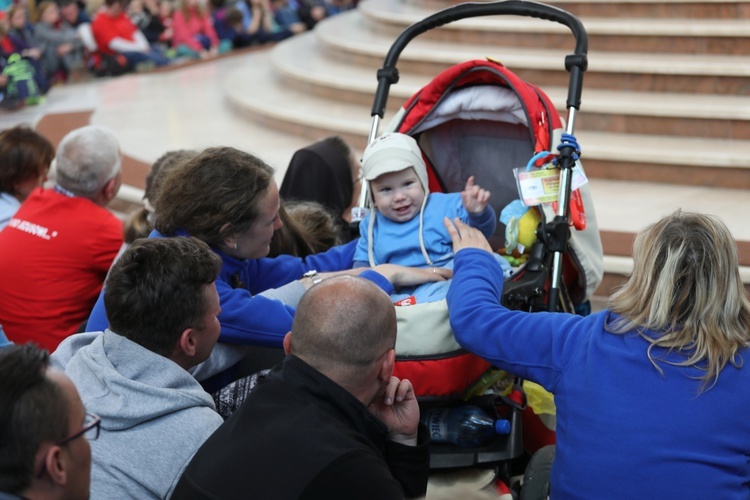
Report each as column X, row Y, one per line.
column 235, row 246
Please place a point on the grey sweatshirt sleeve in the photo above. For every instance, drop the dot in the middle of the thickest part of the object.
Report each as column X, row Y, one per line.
column 289, row 294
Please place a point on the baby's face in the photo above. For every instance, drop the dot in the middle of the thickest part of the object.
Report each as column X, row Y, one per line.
column 398, row 195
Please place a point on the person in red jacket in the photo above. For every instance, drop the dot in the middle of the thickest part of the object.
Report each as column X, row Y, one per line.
column 56, row 250
column 115, row 34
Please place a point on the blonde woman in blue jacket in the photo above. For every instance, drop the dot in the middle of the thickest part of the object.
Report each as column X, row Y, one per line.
column 651, row 393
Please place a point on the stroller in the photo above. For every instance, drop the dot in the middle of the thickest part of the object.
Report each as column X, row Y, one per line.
column 479, row 119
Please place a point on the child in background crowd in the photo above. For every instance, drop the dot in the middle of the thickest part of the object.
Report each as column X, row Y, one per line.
column 166, row 9
column 145, row 15
column 194, row 33
column 285, row 15
column 258, row 23
column 21, row 34
column 228, row 26
column 60, row 45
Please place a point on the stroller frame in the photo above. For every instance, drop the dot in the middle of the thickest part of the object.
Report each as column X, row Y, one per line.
column 554, row 234
column 557, row 231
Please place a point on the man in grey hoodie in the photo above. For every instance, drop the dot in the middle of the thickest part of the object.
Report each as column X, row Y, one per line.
column 162, row 306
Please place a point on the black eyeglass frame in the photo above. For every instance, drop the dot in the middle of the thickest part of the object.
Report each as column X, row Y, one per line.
column 94, row 423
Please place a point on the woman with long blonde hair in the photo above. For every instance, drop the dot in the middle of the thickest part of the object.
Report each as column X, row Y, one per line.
column 651, row 393
column 686, row 286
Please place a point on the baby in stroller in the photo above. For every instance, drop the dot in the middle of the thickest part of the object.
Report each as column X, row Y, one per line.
column 406, row 225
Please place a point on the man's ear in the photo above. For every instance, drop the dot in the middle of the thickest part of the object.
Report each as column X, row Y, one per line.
column 187, row 343
column 287, row 343
column 386, row 367
column 55, row 465
column 111, row 188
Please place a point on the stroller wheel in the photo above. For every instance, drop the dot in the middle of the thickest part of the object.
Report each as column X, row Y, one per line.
column 536, row 477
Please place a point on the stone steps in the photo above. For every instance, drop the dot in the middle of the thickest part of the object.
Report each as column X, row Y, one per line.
column 688, row 9
column 714, row 162
column 621, row 33
column 348, row 38
column 301, row 64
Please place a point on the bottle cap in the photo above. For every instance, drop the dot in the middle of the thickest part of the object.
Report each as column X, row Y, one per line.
column 502, row 426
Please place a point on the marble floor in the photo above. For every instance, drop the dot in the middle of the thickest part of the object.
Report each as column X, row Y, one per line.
column 186, row 108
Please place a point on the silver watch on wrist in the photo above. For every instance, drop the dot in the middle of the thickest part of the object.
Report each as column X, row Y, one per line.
column 313, row 275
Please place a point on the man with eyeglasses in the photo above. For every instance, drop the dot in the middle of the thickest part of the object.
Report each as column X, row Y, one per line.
column 162, row 305
column 330, row 421
column 44, row 429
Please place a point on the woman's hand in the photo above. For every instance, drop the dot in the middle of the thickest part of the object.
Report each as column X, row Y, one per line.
column 465, row 236
column 401, row 276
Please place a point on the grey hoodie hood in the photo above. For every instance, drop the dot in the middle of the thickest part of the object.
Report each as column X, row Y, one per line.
column 126, row 384
column 155, row 415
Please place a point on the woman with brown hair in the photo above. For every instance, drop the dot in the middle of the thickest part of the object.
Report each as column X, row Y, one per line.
column 25, row 158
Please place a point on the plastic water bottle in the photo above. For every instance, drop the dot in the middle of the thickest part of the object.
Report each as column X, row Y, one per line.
column 466, row 425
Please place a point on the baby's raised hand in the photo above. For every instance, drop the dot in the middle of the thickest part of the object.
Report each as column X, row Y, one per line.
column 474, row 197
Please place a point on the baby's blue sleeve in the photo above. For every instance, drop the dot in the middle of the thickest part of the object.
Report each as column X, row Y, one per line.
column 485, row 221
column 361, row 257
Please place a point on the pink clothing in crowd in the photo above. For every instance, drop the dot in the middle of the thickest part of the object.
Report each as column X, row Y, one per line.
column 195, row 24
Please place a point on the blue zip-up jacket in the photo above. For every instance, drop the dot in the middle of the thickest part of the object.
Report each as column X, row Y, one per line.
column 398, row 242
column 247, row 318
column 624, row 430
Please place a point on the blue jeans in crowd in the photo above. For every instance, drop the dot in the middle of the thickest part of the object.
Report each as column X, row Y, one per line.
column 153, row 55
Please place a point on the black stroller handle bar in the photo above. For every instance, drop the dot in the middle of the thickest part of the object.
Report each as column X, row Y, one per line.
column 575, row 63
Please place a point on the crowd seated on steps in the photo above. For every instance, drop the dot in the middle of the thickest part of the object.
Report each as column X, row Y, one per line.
column 219, row 210
column 234, row 236
column 59, row 41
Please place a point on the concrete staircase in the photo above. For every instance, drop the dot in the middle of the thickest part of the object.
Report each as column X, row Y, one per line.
column 666, row 98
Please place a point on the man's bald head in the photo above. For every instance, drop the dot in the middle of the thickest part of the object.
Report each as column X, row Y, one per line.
column 343, row 322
